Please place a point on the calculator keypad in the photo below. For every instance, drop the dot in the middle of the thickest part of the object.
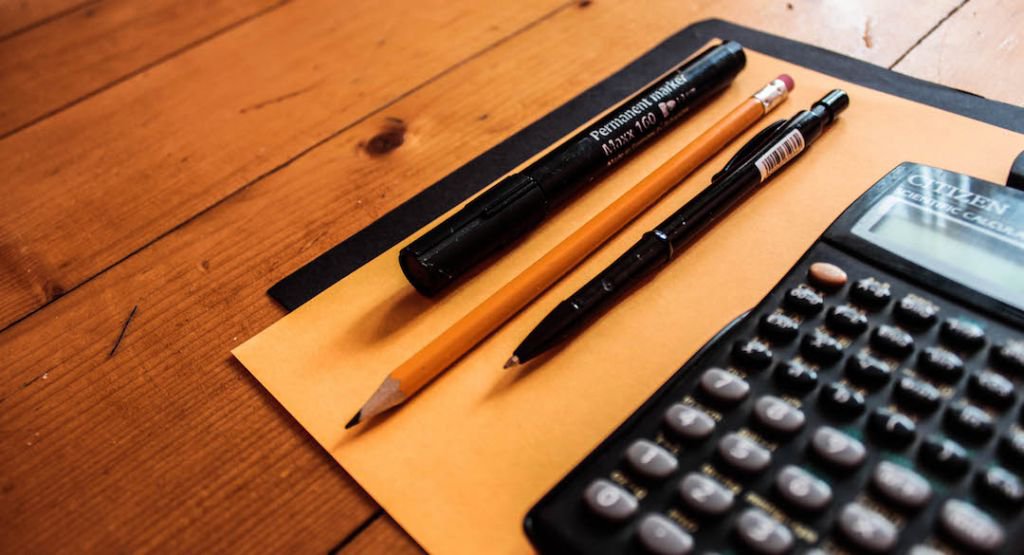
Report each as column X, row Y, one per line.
column 850, row 412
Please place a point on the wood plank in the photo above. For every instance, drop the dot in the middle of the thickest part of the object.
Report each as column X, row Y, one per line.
column 19, row 15
column 47, row 68
column 129, row 164
column 978, row 49
column 169, row 443
column 382, row 536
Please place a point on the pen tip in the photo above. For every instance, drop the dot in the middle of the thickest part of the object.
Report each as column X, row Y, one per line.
column 788, row 81
column 355, row 420
column 514, row 361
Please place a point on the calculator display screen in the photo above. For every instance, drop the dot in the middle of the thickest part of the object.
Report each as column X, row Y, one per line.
column 989, row 261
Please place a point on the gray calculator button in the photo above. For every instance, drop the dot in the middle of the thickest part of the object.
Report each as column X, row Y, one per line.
column 723, row 386
column 778, row 415
column 837, row 448
column 661, row 536
column 744, row 455
column 802, row 489
column 705, row 494
column 688, row 422
column 901, row 485
column 924, row 550
column 867, row 529
column 609, row 500
column 650, row 459
column 971, row 527
column 763, row 534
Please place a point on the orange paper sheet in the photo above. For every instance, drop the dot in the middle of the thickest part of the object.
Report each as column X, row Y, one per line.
column 459, row 465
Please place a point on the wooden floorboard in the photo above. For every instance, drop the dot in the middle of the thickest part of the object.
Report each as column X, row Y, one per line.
column 159, row 148
column 170, row 445
column 980, row 49
column 52, row 66
column 18, row 16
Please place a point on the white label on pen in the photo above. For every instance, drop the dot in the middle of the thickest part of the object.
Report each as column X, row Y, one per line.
column 787, row 148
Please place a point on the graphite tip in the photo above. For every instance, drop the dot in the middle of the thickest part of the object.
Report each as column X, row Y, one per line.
column 513, row 361
column 355, row 420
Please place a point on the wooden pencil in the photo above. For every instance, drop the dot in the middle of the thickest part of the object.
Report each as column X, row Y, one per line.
column 483, row 320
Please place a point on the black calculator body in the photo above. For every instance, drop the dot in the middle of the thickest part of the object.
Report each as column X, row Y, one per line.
column 870, row 403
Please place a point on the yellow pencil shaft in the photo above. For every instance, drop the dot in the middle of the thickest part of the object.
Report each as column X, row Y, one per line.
column 483, row 320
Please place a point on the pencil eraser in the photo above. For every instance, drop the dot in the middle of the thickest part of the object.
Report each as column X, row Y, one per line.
column 788, row 81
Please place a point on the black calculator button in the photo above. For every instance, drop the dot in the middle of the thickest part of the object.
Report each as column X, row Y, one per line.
column 971, row 527
column 892, row 428
column 892, row 340
column 1000, row 487
column 777, row 416
column 962, row 334
column 802, row 490
column 916, row 312
column 753, row 354
column 846, row 320
column 779, row 327
column 917, row 396
column 610, row 501
column 837, row 449
column 804, row 300
column 944, row 456
column 821, row 347
column 688, row 422
column 705, row 495
column 969, row 423
column 1009, row 356
column 868, row 371
column 1011, row 449
column 796, row 377
column 661, row 536
column 901, row 485
column 866, row 529
column 941, row 364
column 651, row 460
column 743, row 454
column 990, row 388
column 827, row 276
column 763, row 534
column 724, row 387
column 871, row 293
column 841, row 401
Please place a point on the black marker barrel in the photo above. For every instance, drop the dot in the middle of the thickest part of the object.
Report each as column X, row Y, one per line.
column 517, row 204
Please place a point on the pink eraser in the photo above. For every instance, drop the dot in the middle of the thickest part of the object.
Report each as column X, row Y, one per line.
column 788, row 81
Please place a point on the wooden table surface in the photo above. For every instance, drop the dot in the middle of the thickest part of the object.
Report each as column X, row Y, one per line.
column 165, row 161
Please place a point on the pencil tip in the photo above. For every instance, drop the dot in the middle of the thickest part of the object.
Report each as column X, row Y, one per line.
column 355, row 420
column 514, row 361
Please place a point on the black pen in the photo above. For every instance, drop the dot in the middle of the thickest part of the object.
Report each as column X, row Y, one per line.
column 769, row 151
column 517, row 204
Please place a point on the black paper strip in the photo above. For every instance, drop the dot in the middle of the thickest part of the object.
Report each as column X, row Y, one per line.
column 362, row 247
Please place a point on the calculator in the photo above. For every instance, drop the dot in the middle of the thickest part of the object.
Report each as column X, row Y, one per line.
column 868, row 404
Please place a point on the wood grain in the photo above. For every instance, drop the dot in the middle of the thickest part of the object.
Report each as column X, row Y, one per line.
column 49, row 67
column 169, row 444
column 978, row 49
column 383, row 535
column 19, row 15
column 168, row 143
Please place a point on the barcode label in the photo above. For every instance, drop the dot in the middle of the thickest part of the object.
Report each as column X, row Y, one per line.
column 790, row 146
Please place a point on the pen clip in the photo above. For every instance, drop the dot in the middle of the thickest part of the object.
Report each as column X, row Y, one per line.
column 763, row 137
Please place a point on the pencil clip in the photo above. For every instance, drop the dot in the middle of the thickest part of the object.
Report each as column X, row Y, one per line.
column 762, row 138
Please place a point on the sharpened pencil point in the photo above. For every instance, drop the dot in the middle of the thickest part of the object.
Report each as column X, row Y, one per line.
column 355, row 420
column 514, row 361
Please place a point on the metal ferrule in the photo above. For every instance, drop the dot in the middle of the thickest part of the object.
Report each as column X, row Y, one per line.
column 772, row 94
